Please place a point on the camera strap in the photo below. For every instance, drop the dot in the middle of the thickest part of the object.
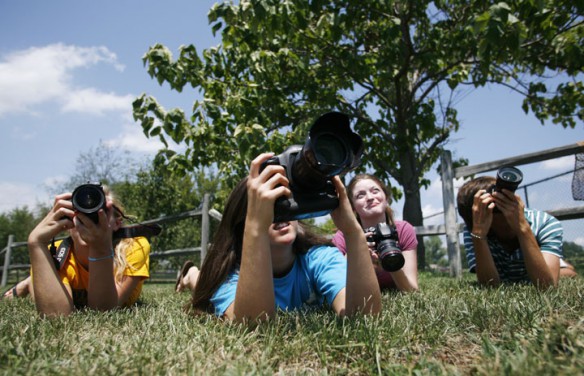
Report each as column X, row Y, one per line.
column 132, row 231
column 61, row 252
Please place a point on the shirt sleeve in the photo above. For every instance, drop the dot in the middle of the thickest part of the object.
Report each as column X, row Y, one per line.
column 138, row 258
column 470, row 252
column 225, row 294
column 329, row 270
column 339, row 241
column 550, row 234
column 407, row 235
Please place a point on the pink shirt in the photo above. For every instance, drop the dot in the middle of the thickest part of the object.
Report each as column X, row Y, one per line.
column 407, row 242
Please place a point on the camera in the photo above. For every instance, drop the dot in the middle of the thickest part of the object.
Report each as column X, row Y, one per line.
column 508, row 178
column 331, row 148
column 385, row 238
column 88, row 199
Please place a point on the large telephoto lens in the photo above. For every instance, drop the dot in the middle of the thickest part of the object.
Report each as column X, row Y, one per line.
column 88, row 199
column 331, row 148
column 508, row 178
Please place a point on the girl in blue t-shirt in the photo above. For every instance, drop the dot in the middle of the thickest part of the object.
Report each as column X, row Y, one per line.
column 255, row 267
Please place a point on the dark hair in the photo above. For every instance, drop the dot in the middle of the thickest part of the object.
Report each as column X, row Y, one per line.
column 384, row 188
column 465, row 197
column 224, row 254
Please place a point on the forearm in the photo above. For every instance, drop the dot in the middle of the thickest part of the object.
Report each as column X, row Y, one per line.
column 538, row 270
column 102, row 294
column 486, row 270
column 254, row 297
column 362, row 291
column 51, row 297
column 406, row 279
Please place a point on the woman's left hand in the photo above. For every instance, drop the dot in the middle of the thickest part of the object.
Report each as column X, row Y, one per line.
column 343, row 216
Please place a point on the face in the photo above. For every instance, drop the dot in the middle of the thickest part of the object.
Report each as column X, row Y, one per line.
column 283, row 233
column 369, row 200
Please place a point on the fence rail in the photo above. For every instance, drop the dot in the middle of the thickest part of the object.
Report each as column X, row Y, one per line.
column 450, row 228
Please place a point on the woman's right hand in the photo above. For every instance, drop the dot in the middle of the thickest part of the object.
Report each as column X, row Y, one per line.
column 264, row 187
column 59, row 219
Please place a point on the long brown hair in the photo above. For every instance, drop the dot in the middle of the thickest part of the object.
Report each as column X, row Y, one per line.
column 384, row 188
column 224, row 254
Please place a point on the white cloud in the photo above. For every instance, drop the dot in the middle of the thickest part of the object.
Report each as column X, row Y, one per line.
column 18, row 195
column 579, row 241
column 133, row 139
column 564, row 163
column 94, row 102
column 43, row 74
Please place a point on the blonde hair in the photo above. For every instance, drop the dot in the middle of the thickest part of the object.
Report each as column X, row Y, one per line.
column 123, row 246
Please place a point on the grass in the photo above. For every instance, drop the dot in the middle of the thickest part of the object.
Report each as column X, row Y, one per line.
column 451, row 327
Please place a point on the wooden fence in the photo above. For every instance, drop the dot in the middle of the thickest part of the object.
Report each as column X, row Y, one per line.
column 451, row 228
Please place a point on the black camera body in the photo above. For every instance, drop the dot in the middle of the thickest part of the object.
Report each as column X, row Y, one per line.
column 386, row 242
column 509, row 178
column 330, row 149
column 88, row 199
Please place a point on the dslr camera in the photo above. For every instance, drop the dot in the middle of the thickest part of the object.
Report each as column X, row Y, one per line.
column 88, row 199
column 385, row 238
column 509, row 178
column 331, row 148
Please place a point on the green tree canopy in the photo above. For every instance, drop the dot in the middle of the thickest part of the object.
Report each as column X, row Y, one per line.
column 394, row 66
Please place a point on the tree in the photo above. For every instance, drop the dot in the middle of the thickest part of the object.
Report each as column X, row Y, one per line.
column 104, row 163
column 395, row 67
column 435, row 252
column 156, row 191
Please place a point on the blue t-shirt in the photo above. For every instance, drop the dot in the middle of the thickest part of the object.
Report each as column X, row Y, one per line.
column 548, row 233
column 315, row 278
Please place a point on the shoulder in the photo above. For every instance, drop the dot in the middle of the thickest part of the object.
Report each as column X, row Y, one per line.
column 404, row 226
column 322, row 253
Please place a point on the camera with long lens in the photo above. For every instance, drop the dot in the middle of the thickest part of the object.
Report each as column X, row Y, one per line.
column 509, row 178
column 331, row 148
column 386, row 243
column 88, row 199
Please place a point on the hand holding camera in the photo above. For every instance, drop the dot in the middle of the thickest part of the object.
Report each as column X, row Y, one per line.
column 330, row 149
column 386, row 246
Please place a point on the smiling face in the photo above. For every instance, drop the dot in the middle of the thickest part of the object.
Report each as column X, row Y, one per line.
column 369, row 202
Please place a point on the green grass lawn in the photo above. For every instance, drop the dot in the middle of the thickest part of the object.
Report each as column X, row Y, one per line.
column 450, row 327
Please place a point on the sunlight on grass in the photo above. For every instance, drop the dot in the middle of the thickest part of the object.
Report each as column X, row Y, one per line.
column 450, row 327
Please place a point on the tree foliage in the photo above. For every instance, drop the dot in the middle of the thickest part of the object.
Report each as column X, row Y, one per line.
column 394, row 66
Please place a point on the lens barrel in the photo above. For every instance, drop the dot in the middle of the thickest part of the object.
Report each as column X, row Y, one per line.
column 88, row 199
column 509, row 178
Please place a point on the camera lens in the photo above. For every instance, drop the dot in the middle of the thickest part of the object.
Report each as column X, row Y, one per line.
column 508, row 178
column 330, row 150
column 88, row 199
column 390, row 255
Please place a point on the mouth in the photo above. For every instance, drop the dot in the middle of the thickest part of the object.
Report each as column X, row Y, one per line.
column 280, row 225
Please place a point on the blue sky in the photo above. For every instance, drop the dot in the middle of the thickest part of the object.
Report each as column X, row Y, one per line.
column 69, row 71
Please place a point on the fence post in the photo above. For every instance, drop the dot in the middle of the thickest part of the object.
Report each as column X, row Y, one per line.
column 450, row 215
column 205, row 228
column 7, row 260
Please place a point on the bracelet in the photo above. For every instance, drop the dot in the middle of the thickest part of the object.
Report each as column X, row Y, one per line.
column 102, row 258
column 476, row 236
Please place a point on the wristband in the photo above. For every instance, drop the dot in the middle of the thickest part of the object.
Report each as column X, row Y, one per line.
column 102, row 258
column 476, row 236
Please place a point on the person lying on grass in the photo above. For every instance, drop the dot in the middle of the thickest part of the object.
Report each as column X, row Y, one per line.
column 255, row 267
column 504, row 240
column 94, row 274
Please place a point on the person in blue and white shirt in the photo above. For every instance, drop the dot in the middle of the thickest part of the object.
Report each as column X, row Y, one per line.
column 504, row 240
